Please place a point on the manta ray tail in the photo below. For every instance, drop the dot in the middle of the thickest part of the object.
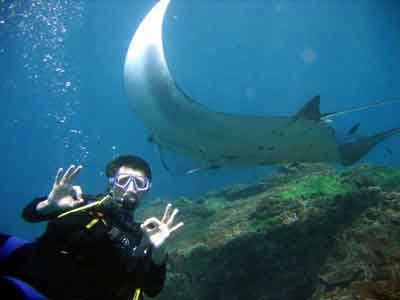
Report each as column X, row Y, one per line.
column 354, row 151
column 328, row 116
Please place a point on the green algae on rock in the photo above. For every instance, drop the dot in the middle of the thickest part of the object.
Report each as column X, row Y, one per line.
column 311, row 233
column 312, row 186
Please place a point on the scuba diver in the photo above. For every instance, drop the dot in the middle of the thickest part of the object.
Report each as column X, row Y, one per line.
column 92, row 248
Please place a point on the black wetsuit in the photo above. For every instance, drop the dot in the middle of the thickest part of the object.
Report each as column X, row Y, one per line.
column 74, row 262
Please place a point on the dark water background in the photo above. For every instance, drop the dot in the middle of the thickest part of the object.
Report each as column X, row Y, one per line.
column 63, row 100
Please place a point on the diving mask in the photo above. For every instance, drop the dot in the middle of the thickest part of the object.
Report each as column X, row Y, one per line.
column 122, row 181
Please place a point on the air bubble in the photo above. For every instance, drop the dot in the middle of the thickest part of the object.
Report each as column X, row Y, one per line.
column 41, row 27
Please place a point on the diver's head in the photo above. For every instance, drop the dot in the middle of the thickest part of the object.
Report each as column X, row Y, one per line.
column 130, row 179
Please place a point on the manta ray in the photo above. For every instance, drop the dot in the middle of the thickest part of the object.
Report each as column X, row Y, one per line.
column 180, row 124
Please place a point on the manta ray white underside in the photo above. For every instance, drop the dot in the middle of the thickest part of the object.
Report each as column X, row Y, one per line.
column 178, row 123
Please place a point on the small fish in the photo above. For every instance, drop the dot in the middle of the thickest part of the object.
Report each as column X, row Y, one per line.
column 353, row 129
column 150, row 139
column 388, row 150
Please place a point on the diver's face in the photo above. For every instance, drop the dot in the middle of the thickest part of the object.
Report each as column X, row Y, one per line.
column 129, row 186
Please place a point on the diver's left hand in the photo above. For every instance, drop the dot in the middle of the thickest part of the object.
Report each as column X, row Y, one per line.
column 158, row 231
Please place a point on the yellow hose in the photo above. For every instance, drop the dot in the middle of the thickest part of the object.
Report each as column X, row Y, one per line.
column 85, row 207
column 136, row 295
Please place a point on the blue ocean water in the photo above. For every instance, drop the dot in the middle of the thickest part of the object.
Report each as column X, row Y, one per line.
column 63, row 99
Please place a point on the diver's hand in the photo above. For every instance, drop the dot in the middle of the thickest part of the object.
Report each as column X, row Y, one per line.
column 63, row 195
column 156, row 232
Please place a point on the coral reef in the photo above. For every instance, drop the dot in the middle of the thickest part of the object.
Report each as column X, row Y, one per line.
column 307, row 232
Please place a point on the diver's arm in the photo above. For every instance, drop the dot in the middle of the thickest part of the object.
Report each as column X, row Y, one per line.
column 159, row 255
column 152, row 276
column 155, row 233
column 31, row 214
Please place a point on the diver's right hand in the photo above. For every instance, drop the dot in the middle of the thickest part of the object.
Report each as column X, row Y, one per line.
column 63, row 195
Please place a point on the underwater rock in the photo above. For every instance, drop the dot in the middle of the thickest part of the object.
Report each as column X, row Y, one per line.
column 316, row 234
column 297, row 167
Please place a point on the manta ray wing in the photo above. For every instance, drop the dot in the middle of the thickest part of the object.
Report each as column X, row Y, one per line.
column 180, row 124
